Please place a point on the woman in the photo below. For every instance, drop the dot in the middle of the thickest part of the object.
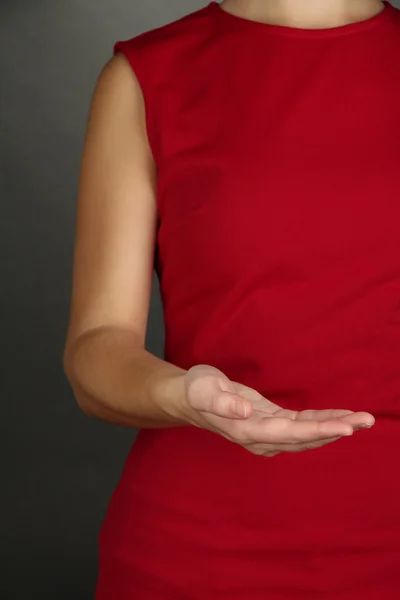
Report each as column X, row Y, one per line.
column 250, row 152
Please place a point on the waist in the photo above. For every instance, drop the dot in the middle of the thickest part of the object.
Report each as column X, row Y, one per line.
column 348, row 486
column 323, row 523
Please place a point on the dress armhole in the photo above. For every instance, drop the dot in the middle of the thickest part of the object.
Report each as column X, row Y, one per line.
column 133, row 57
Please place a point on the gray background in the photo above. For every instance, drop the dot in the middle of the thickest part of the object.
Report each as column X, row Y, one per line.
column 58, row 467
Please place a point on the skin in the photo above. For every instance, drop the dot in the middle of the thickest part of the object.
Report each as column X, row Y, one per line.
column 307, row 14
column 112, row 375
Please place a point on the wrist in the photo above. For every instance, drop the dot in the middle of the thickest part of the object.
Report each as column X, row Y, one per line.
column 169, row 393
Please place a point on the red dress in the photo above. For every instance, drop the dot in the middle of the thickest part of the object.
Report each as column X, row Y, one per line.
column 278, row 154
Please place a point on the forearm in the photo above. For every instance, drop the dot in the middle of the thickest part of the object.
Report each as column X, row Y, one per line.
column 114, row 379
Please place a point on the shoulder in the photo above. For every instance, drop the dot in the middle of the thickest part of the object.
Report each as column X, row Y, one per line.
column 157, row 46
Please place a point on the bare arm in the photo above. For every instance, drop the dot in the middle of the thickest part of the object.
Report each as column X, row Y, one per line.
column 113, row 377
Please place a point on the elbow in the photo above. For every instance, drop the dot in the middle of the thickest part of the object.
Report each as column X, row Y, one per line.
column 67, row 364
column 85, row 407
column 82, row 399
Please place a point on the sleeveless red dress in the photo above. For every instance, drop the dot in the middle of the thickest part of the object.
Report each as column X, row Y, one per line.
column 278, row 155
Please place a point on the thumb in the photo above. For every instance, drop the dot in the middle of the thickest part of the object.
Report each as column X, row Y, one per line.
column 232, row 406
column 210, row 391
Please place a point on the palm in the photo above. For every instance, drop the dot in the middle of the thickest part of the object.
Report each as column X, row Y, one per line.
column 262, row 408
column 290, row 430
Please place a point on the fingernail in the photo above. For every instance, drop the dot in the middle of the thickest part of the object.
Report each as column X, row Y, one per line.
column 240, row 409
column 367, row 425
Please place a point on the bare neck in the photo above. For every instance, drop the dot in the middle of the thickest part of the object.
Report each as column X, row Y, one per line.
column 309, row 14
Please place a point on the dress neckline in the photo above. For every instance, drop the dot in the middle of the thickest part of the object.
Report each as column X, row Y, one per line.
column 230, row 19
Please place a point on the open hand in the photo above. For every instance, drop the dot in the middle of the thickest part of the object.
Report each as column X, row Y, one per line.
column 244, row 416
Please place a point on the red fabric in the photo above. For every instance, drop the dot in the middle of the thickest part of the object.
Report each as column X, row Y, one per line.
column 278, row 152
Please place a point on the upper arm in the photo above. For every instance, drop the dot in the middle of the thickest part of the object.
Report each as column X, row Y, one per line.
column 116, row 212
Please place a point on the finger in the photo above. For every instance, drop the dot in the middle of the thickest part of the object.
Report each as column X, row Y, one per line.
column 278, row 430
column 293, row 448
column 320, row 444
column 213, row 393
column 359, row 420
column 226, row 405
column 322, row 415
column 355, row 419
